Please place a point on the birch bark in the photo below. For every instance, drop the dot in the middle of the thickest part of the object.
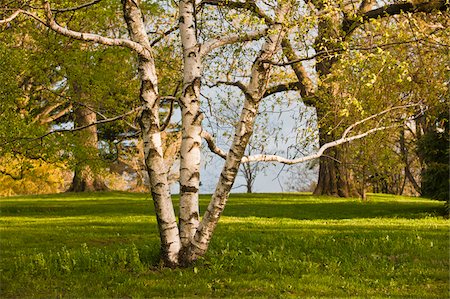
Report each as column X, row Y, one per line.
column 191, row 124
column 153, row 150
column 255, row 90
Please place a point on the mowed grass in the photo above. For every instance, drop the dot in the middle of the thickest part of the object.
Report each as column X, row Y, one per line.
column 266, row 245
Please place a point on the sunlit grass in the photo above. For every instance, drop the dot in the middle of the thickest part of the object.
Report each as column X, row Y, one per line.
column 266, row 245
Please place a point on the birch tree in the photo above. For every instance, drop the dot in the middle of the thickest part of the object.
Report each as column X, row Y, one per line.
column 184, row 240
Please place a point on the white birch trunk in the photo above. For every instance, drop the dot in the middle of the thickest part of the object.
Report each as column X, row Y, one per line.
column 153, row 150
column 254, row 93
column 191, row 124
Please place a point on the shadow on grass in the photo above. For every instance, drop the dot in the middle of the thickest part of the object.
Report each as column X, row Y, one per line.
column 293, row 206
column 76, row 208
column 335, row 209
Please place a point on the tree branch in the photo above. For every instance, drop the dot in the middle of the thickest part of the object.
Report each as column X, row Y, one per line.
column 55, row 116
column 89, row 37
column 158, row 39
column 212, row 44
column 351, row 127
column 281, row 88
column 12, row 17
column 329, row 52
column 349, row 25
column 344, row 139
column 365, row 6
column 238, row 84
column 103, row 121
column 169, row 116
column 76, row 7
column 212, row 145
column 249, row 5
column 279, row 159
column 15, row 178
column 306, row 86
column 323, row 148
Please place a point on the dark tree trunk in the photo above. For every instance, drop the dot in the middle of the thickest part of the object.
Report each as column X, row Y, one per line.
column 85, row 178
column 335, row 176
column 249, row 189
column 405, row 157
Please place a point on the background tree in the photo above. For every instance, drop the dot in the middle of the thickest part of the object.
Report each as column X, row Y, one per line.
column 337, row 22
column 434, row 152
column 395, row 73
column 89, row 83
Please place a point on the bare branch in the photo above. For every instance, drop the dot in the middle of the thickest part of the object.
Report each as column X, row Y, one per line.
column 351, row 127
column 282, row 88
column 237, row 84
column 212, row 145
column 76, row 7
column 108, row 120
column 329, row 52
column 249, row 5
column 349, row 25
column 169, row 116
column 103, row 121
column 158, row 39
column 89, row 37
column 279, row 159
column 323, row 148
column 210, row 45
column 11, row 17
column 275, row 158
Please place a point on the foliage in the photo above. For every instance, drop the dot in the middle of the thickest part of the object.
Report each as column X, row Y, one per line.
column 268, row 245
column 43, row 69
column 21, row 175
column 389, row 62
column 433, row 148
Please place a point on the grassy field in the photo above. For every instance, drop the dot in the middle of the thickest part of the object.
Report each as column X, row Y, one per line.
column 266, row 245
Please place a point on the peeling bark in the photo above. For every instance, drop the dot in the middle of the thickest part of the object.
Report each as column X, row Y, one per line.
column 253, row 94
column 191, row 124
column 153, row 150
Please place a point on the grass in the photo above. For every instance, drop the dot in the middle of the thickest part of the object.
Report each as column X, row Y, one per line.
column 266, row 245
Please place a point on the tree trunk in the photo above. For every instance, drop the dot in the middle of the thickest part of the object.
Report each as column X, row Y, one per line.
column 405, row 158
column 249, row 176
column 335, row 176
column 85, row 178
column 254, row 91
column 191, row 124
column 151, row 135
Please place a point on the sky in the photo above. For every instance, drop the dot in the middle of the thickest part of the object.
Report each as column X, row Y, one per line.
column 275, row 177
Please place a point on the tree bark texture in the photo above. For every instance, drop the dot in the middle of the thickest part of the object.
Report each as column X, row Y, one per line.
column 153, row 150
column 191, row 124
column 260, row 75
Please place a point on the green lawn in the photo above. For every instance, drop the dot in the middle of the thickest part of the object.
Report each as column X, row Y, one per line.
column 266, row 245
